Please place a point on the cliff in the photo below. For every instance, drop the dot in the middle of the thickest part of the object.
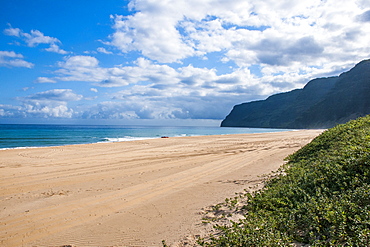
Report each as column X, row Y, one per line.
column 322, row 103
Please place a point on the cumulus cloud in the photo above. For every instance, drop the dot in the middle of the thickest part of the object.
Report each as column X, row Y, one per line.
column 103, row 50
column 156, row 106
column 86, row 68
column 13, row 32
column 80, row 61
column 263, row 47
column 80, row 68
column 51, row 103
column 253, row 32
column 160, row 41
column 153, row 90
column 55, row 48
column 59, row 95
column 44, row 80
column 10, row 111
column 35, row 38
column 12, row 59
column 127, row 110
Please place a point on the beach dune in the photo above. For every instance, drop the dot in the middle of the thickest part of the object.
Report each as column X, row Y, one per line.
column 130, row 193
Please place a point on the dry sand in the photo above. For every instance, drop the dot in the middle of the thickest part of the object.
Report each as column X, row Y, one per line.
column 130, row 193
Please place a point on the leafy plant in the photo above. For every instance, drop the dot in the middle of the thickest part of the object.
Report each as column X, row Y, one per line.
column 320, row 197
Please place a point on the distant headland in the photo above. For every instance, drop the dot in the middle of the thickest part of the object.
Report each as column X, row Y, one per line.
column 322, row 103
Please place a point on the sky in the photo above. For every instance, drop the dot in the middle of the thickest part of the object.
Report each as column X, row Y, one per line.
column 168, row 62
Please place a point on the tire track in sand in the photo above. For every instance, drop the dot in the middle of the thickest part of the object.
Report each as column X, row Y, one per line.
column 56, row 216
column 45, row 220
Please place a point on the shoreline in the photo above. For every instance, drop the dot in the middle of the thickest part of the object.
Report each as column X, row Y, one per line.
column 131, row 139
column 134, row 193
column 13, row 136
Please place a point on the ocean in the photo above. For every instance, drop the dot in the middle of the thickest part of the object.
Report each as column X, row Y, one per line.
column 42, row 135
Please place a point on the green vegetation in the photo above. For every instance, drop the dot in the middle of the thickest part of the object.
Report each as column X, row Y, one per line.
column 320, row 197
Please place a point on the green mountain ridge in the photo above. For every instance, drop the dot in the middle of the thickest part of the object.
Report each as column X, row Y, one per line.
column 322, row 103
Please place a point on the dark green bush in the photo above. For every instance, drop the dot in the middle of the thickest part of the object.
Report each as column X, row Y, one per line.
column 321, row 197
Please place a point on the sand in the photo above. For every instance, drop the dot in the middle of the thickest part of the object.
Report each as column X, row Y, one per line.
column 130, row 193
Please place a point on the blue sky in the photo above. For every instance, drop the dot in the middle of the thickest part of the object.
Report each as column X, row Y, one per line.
column 167, row 62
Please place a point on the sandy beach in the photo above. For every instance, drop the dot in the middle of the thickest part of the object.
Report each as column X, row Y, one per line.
column 130, row 193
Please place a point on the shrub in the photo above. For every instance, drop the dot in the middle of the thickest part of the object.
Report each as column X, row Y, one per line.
column 320, row 197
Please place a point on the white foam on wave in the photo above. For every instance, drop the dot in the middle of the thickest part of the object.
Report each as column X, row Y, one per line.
column 125, row 139
column 17, row 148
column 105, row 140
column 131, row 138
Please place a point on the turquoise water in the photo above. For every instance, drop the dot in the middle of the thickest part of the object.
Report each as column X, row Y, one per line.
column 36, row 135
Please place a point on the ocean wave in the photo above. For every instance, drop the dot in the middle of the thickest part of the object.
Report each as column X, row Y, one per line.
column 132, row 138
column 125, row 139
column 17, row 148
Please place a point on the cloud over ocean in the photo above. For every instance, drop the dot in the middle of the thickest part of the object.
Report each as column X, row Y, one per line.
column 138, row 60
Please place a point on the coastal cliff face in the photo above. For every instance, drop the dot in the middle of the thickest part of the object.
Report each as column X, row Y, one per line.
column 322, row 103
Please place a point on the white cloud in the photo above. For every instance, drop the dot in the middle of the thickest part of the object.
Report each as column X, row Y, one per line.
column 44, row 80
column 80, row 68
column 86, row 68
column 13, row 32
column 247, row 32
column 48, row 110
column 161, row 41
column 10, row 111
column 51, row 103
column 27, row 88
column 80, row 61
column 58, row 95
column 103, row 50
column 55, row 48
column 153, row 90
column 271, row 46
column 35, row 38
column 12, row 59
column 127, row 110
